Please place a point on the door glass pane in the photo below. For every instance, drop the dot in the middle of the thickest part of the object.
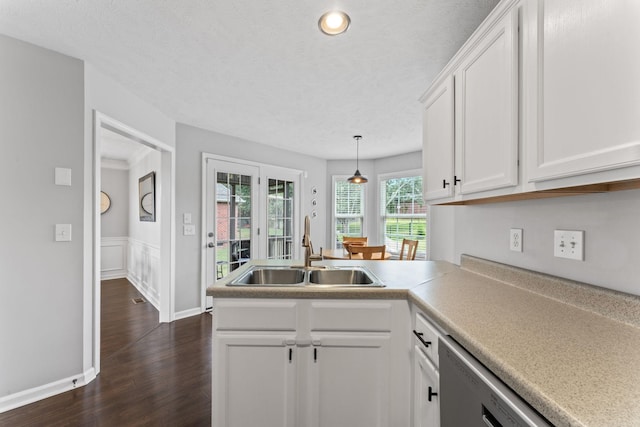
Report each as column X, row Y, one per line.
column 280, row 219
column 233, row 222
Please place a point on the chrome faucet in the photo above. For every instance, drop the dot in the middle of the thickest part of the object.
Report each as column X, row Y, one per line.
column 308, row 247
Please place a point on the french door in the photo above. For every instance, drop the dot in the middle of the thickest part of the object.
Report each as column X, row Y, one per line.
column 252, row 212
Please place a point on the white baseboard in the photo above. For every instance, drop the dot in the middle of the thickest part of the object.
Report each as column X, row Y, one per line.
column 35, row 394
column 150, row 298
column 115, row 275
column 187, row 313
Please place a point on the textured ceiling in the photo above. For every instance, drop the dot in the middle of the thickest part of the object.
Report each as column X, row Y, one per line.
column 261, row 70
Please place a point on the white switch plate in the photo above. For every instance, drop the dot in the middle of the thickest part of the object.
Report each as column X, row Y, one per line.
column 515, row 239
column 63, row 232
column 568, row 244
column 63, row 176
column 189, row 230
column 186, row 218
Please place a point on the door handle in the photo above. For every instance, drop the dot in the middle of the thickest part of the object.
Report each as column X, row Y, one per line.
column 210, row 245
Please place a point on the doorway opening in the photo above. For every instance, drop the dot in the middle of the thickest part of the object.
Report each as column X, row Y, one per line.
column 142, row 250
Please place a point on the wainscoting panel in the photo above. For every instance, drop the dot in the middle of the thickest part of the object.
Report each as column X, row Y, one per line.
column 144, row 270
column 113, row 257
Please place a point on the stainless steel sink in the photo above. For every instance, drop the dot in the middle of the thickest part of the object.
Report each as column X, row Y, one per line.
column 298, row 276
column 343, row 277
column 265, row 276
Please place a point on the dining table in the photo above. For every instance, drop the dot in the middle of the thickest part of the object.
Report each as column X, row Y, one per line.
column 343, row 254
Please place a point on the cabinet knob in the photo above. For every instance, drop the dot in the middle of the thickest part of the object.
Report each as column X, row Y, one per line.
column 210, row 245
column 444, row 183
column 431, row 393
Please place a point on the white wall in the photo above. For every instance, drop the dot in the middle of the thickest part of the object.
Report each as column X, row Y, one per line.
column 371, row 169
column 115, row 222
column 41, row 281
column 191, row 142
column 612, row 236
column 145, row 236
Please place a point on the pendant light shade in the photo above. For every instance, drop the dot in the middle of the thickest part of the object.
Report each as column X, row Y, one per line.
column 357, row 177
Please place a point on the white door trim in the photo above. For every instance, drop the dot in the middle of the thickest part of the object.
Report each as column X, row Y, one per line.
column 167, row 213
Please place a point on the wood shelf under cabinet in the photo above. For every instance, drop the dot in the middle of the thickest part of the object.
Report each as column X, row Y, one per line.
column 632, row 184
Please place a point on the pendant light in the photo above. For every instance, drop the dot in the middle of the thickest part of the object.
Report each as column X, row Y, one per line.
column 357, row 177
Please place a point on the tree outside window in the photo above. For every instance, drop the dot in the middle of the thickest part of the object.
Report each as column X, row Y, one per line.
column 403, row 213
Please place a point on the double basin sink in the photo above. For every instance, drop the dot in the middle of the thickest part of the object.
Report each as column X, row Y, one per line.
column 299, row 276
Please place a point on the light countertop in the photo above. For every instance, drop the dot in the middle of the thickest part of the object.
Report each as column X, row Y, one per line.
column 571, row 350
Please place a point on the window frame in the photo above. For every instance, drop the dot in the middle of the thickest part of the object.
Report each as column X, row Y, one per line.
column 334, row 180
column 381, row 213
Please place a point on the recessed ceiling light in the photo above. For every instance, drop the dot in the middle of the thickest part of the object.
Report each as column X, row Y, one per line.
column 334, row 22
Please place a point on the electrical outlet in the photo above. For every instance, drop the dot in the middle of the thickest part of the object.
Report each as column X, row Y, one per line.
column 568, row 244
column 515, row 239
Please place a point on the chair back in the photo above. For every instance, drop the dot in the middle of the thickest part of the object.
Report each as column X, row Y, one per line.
column 367, row 252
column 412, row 247
column 348, row 241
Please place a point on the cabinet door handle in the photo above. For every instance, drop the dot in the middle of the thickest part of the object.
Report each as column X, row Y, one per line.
column 419, row 335
column 315, row 355
column 456, row 180
column 431, row 393
column 444, row 183
column 290, row 355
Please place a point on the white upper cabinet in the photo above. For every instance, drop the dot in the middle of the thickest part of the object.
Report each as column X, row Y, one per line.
column 582, row 90
column 438, row 141
column 470, row 116
column 486, row 105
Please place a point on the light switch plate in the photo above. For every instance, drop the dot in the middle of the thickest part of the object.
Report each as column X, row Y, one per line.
column 63, row 232
column 189, row 230
column 63, row 176
column 515, row 239
column 568, row 244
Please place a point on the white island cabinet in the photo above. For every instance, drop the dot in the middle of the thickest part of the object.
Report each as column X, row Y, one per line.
column 317, row 363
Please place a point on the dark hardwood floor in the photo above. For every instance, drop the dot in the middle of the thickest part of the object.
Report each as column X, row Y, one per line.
column 151, row 375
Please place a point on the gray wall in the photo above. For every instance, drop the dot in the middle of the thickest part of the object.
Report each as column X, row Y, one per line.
column 115, row 222
column 191, row 142
column 41, row 281
column 610, row 221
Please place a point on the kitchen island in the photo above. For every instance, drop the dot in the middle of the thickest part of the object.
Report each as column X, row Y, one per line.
column 570, row 350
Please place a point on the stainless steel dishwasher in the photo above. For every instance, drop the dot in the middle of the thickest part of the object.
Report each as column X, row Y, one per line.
column 470, row 395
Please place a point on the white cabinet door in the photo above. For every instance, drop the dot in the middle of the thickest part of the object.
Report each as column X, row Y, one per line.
column 349, row 381
column 583, row 86
column 438, row 140
column 254, row 380
column 426, row 405
column 486, row 104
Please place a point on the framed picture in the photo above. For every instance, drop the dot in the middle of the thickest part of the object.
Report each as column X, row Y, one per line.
column 147, row 194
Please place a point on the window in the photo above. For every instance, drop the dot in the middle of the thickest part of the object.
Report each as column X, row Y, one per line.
column 280, row 219
column 348, row 214
column 403, row 213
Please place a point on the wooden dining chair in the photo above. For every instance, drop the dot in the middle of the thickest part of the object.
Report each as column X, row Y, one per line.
column 367, row 252
column 348, row 241
column 412, row 247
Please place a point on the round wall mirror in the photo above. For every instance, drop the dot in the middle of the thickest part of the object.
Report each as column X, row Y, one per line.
column 105, row 202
